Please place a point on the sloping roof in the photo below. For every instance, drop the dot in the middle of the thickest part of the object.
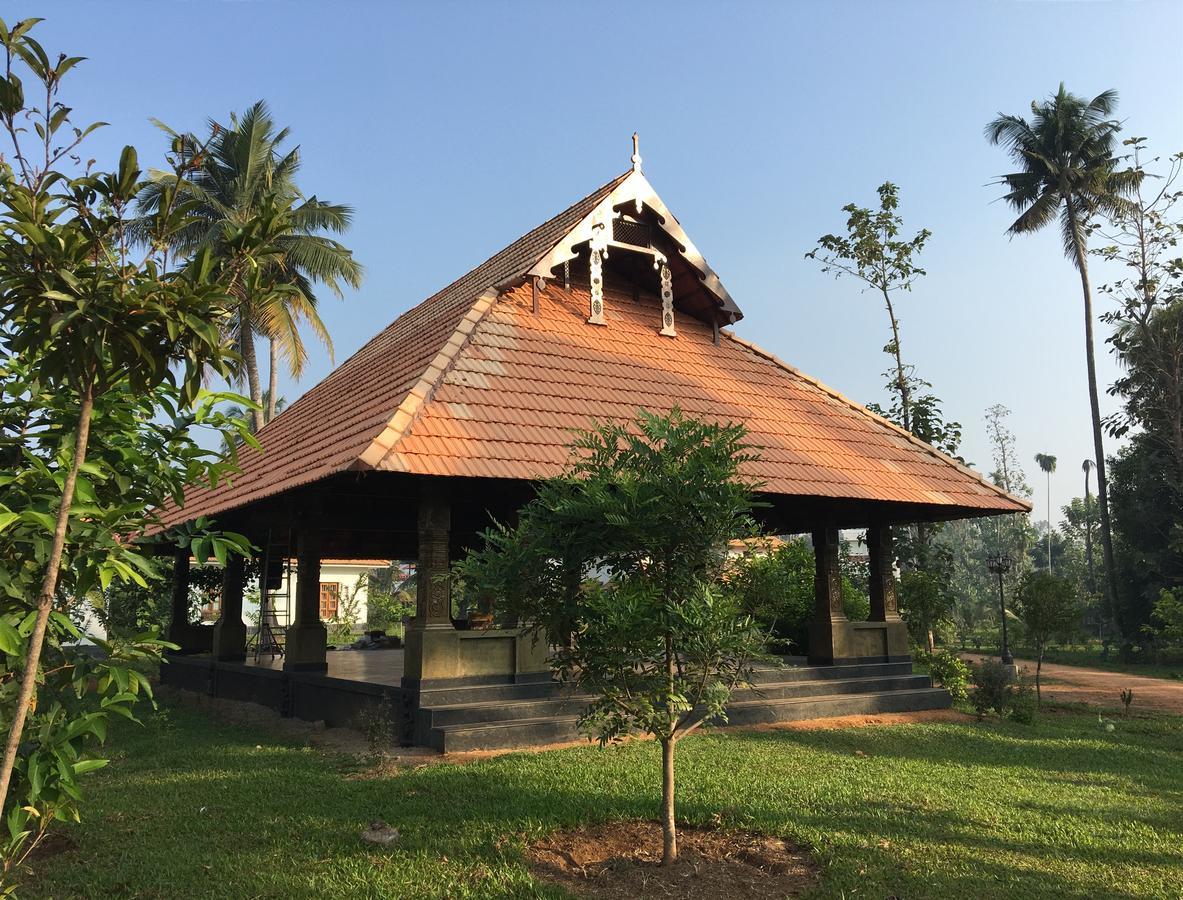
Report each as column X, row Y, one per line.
column 508, row 403
column 472, row 383
column 328, row 428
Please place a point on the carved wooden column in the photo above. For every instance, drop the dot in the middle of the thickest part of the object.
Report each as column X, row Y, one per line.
column 304, row 646
column 432, row 643
column 433, row 599
column 885, row 605
column 829, row 631
column 178, row 625
column 230, row 631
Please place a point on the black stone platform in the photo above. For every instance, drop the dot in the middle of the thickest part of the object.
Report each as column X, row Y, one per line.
column 496, row 716
column 523, row 715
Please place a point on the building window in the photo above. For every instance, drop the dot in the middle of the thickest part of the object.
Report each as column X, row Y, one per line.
column 330, row 596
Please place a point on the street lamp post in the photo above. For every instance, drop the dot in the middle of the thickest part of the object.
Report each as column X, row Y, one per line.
column 1000, row 564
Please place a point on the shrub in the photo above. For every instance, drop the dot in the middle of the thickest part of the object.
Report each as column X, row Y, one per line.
column 991, row 687
column 777, row 590
column 1021, row 702
column 950, row 673
column 377, row 723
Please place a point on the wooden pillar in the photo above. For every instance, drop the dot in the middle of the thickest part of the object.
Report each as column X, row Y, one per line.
column 432, row 643
column 304, row 645
column 230, row 631
column 433, row 598
column 178, row 624
column 829, row 631
column 885, row 605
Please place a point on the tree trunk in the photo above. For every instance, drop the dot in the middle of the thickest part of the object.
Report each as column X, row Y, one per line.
column 901, row 378
column 669, row 829
column 1049, row 522
column 1038, row 666
column 1095, row 407
column 28, row 686
column 1088, row 536
column 246, row 346
column 272, row 379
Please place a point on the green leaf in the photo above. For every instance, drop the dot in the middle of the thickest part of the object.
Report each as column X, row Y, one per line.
column 45, row 520
column 10, row 639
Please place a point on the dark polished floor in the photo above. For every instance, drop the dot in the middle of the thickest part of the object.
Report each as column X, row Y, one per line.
column 373, row 666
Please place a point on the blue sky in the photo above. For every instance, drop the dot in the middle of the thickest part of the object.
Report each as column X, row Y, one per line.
column 452, row 128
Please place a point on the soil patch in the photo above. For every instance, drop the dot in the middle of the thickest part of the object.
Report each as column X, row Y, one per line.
column 621, row 859
column 859, row 721
column 51, row 845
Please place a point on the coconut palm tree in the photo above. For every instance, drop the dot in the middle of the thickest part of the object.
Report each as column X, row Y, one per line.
column 1067, row 170
column 243, row 175
column 1048, row 464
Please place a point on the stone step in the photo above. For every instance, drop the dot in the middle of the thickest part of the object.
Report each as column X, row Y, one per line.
column 784, row 690
column 502, row 735
column 484, row 693
column 525, row 732
column 755, row 712
column 543, row 687
column 564, row 702
column 793, row 671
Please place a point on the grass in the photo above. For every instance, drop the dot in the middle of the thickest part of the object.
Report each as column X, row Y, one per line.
column 195, row 808
column 1089, row 656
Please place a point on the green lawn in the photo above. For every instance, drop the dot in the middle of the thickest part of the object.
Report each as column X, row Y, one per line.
column 195, row 808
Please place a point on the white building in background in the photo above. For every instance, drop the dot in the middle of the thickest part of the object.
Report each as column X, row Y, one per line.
column 344, row 589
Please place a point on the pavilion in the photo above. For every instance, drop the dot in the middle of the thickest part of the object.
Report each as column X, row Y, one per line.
column 447, row 416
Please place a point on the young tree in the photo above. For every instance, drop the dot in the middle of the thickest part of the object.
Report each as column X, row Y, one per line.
column 1146, row 239
column 1149, row 533
column 872, row 251
column 1068, row 169
column 661, row 641
column 1049, row 610
column 926, row 601
column 104, row 347
column 1167, row 619
column 1011, row 534
column 1047, row 465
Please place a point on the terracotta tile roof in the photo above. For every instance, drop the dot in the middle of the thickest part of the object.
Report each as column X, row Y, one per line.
column 472, row 383
column 506, row 405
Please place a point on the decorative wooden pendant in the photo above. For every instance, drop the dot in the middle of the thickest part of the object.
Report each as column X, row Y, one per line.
column 667, row 302
column 597, row 289
column 597, row 254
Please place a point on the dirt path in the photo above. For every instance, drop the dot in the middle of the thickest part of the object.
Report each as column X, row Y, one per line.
column 1096, row 687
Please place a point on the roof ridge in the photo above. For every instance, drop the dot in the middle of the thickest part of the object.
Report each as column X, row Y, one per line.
column 412, row 404
column 882, row 420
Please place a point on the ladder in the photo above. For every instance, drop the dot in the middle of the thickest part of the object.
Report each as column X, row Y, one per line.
column 275, row 599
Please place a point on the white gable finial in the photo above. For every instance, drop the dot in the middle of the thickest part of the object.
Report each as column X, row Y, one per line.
column 636, row 153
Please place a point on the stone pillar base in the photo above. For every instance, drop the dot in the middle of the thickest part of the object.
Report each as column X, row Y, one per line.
column 444, row 654
column 830, row 642
column 229, row 640
column 304, row 647
column 190, row 638
column 843, row 642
